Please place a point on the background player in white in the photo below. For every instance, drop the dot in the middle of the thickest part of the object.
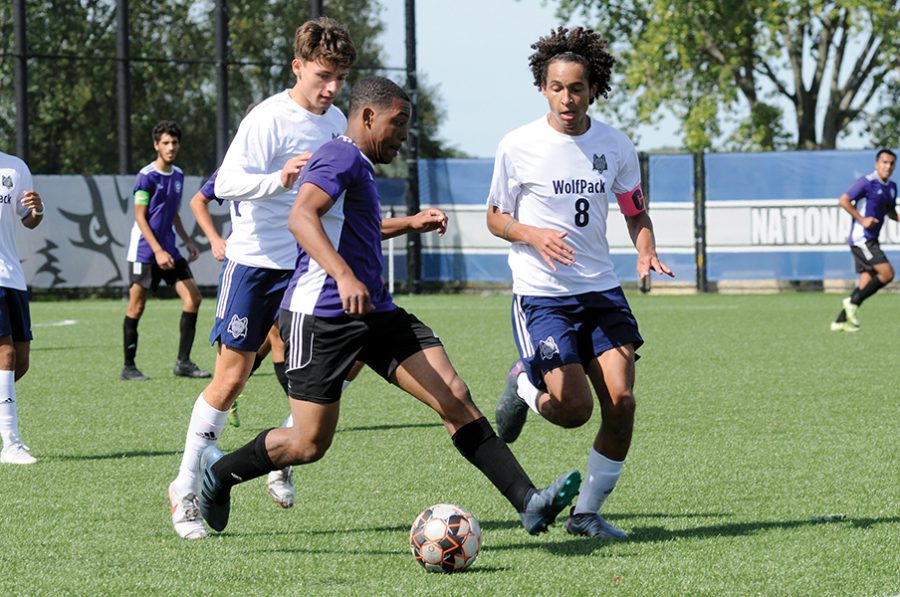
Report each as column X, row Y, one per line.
column 260, row 170
column 18, row 201
column 549, row 197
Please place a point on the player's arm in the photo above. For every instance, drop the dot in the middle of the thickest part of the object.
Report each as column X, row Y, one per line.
column 640, row 228
column 200, row 208
column 305, row 223
column 31, row 201
column 141, row 202
column 193, row 251
column 426, row 220
column 547, row 242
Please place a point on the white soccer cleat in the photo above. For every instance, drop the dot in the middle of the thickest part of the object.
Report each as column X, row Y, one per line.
column 186, row 516
column 280, row 485
column 16, row 453
column 851, row 311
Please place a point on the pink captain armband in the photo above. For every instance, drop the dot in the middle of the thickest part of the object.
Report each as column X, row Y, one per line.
column 632, row 202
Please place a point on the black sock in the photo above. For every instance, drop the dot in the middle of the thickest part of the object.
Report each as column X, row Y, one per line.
column 861, row 294
column 257, row 361
column 478, row 443
column 131, row 339
column 188, row 328
column 841, row 318
column 281, row 374
column 247, row 462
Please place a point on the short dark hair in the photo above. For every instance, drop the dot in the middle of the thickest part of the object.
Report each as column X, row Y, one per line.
column 887, row 151
column 166, row 127
column 325, row 40
column 375, row 91
column 580, row 45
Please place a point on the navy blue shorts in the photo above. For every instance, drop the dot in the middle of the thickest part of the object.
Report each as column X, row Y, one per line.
column 247, row 304
column 15, row 315
column 554, row 331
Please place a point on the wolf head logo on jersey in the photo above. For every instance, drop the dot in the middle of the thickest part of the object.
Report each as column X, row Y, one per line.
column 600, row 163
column 177, row 186
column 7, row 182
column 548, row 348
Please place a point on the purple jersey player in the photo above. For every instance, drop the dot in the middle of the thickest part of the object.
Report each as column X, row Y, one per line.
column 153, row 256
column 868, row 201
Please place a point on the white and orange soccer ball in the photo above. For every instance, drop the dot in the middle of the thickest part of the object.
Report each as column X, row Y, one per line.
column 445, row 538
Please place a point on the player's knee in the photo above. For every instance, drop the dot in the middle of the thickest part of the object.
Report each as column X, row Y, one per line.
column 22, row 365
column 457, row 404
column 620, row 413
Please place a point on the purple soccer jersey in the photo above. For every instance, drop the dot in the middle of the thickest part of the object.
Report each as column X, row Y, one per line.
column 873, row 199
column 208, row 189
column 164, row 191
column 353, row 225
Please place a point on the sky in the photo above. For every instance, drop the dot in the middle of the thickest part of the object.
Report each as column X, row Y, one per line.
column 476, row 52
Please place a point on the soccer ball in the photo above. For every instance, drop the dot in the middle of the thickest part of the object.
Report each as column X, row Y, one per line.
column 445, row 538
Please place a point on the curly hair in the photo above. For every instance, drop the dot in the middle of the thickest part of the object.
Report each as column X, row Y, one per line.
column 583, row 46
column 324, row 40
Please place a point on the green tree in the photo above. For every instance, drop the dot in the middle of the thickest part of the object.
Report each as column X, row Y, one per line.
column 72, row 75
column 706, row 60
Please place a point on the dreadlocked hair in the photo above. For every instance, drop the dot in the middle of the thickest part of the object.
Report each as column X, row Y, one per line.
column 583, row 46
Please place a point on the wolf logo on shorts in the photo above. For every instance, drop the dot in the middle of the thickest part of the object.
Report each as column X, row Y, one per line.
column 548, row 348
column 237, row 327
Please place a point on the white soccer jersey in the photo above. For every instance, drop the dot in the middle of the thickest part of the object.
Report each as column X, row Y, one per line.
column 15, row 179
column 275, row 131
column 550, row 180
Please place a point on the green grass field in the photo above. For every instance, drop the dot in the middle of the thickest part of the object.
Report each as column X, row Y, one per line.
column 752, row 419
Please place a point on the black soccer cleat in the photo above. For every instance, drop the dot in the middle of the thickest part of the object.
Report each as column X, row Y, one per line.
column 214, row 501
column 189, row 369
column 544, row 505
column 132, row 373
column 511, row 410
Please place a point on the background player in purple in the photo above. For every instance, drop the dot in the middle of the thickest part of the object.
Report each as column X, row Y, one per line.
column 337, row 311
column 153, row 255
column 868, row 201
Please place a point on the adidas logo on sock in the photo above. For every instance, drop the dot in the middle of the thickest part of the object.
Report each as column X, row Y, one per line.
column 208, row 435
column 9, row 400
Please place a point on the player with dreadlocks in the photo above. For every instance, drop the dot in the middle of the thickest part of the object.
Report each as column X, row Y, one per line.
column 571, row 322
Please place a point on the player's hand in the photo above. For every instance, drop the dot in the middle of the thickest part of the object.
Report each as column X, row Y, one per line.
column 164, row 260
column 869, row 222
column 428, row 220
column 354, row 296
column 32, row 200
column 291, row 170
column 217, row 246
column 650, row 262
column 193, row 251
column 550, row 246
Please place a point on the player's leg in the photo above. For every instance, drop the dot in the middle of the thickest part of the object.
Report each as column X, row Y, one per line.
column 187, row 290
column 612, row 375
column 234, row 418
column 137, row 299
column 408, row 353
column 15, row 338
column 550, row 380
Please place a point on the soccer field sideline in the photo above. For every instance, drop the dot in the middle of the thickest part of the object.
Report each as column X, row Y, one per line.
column 753, row 419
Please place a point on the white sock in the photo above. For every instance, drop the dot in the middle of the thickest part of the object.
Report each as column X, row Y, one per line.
column 204, row 430
column 601, row 478
column 289, row 422
column 9, row 419
column 527, row 392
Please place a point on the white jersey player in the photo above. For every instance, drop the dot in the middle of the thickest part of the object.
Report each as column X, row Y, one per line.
column 260, row 170
column 552, row 185
column 18, row 202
